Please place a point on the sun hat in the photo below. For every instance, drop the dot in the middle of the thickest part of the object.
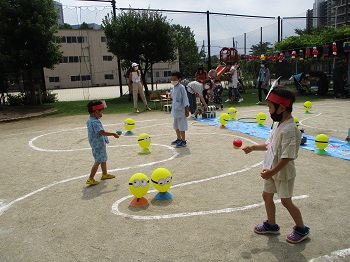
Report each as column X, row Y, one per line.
column 134, row 64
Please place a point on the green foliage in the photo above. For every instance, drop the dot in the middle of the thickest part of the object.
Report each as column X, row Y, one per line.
column 317, row 37
column 187, row 48
column 65, row 26
column 263, row 48
column 84, row 26
column 22, row 98
column 144, row 37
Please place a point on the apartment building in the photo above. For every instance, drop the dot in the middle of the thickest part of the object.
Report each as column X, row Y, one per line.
column 86, row 62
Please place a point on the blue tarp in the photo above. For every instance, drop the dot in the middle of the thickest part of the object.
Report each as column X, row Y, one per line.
column 336, row 148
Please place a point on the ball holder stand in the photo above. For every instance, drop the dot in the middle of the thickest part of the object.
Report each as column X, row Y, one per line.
column 139, row 202
column 145, row 151
column 128, row 133
column 163, row 196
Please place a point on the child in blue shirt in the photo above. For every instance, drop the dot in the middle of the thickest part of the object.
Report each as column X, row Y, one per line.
column 98, row 140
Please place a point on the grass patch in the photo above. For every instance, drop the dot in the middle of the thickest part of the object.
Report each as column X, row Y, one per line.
column 123, row 105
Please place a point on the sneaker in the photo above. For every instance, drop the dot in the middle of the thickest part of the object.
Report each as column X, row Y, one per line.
column 92, row 182
column 181, row 144
column 259, row 103
column 297, row 236
column 176, row 141
column 240, row 100
column 228, row 100
column 266, row 228
column 193, row 115
column 107, row 176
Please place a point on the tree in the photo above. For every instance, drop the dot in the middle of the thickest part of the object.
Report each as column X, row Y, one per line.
column 187, row 48
column 259, row 49
column 145, row 37
column 27, row 40
column 65, row 26
column 84, row 26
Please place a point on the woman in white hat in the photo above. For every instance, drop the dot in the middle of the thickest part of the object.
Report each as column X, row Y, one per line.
column 137, row 88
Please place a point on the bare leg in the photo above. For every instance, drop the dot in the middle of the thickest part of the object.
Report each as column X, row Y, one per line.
column 293, row 211
column 104, row 168
column 94, row 170
column 270, row 207
column 182, row 135
column 178, row 135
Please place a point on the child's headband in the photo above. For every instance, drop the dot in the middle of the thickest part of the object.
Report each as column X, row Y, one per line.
column 99, row 107
column 276, row 98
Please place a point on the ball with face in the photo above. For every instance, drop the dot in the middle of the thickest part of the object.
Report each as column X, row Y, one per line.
column 162, row 179
column 144, row 140
column 129, row 124
column 139, row 185
column 296, row 120
column 321, row 141
column 224, row 117
column 232, row 113
column 307, row 106
column 261, row 118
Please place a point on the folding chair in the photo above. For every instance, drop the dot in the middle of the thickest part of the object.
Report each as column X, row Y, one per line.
column 165, row 101
column 155, row 99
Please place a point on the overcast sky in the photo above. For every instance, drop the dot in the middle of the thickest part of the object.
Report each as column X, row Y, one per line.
column 222, row 29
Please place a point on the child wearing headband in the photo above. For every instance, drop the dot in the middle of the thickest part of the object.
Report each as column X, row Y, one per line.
column 278, row 169
column 98, row 140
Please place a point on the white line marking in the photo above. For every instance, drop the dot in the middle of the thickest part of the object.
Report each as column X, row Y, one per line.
column 335, row 256
column 188, row 214
column 319, row 128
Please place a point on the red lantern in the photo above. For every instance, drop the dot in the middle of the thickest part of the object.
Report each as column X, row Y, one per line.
column 314, row 51
column 334, row 48
column 280, row 57
column 325, row 50
column 294, row 54
column 307, row 53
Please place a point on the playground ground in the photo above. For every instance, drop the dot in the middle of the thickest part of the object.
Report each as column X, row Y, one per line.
column 47, row 213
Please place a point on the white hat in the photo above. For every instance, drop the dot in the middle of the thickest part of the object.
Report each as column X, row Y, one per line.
column 134, row 64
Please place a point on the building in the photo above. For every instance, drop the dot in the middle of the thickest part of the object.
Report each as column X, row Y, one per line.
column 329, row 13
column 86, row 62
column 58, row 7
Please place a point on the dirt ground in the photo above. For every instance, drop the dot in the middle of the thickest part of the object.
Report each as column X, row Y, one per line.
column 47, row 213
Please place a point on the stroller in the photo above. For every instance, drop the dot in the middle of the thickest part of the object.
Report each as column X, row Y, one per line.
column 300, row 83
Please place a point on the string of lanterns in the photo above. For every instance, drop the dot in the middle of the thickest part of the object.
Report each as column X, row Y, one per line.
column 301, row 55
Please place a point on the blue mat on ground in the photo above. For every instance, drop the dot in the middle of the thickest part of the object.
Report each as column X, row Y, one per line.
column 336, row 147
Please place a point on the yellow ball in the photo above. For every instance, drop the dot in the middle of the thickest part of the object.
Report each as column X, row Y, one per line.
column 307, row 106
column 232, row 113
column 144, row 140
column 321, row 141
column 261, row 118
column 139, row 185
column 224, row 117
column 296, row 120
column 162, row 179
column 129, row 124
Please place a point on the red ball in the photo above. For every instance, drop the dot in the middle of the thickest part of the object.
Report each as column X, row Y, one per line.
column 237, row 143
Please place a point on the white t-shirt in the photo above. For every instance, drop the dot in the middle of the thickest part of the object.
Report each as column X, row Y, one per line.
column 195, row 87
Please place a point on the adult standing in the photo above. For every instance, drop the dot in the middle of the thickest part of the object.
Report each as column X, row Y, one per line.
column 233, row 82
column 263, row 80
column 137, row 88
column 201, row 75
column 338, row 80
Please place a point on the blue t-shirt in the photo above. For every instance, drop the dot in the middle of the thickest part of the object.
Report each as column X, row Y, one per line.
column 94, row 127
column 179, row 102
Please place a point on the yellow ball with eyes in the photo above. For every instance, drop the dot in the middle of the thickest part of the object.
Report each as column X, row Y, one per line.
column 296, row 120
column 232, row 113
column 307, row 106
column 139, row 185
column 261, row 118
column 144, row 140
column 129, row 124
column 162, row 179
column 224, row 117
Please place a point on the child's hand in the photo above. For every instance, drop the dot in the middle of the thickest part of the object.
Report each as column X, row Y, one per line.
column 115, row 135
column 247, row 149
column 266, row 174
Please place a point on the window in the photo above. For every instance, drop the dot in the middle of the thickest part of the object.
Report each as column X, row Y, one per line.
column 81, row 39
column 107, row 58
column 85, row 78
column 54, row 79
column 63, row 39
column 71, row 39
column 84, row 59
column 103, row 39
column 75, row 78
column 109, row 76
column 73, row 59
column 157, row 74
column 167, row 73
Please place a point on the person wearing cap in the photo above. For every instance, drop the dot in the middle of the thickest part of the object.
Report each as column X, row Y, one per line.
column 279, row 171
column 98, row 138
column 137, row 88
